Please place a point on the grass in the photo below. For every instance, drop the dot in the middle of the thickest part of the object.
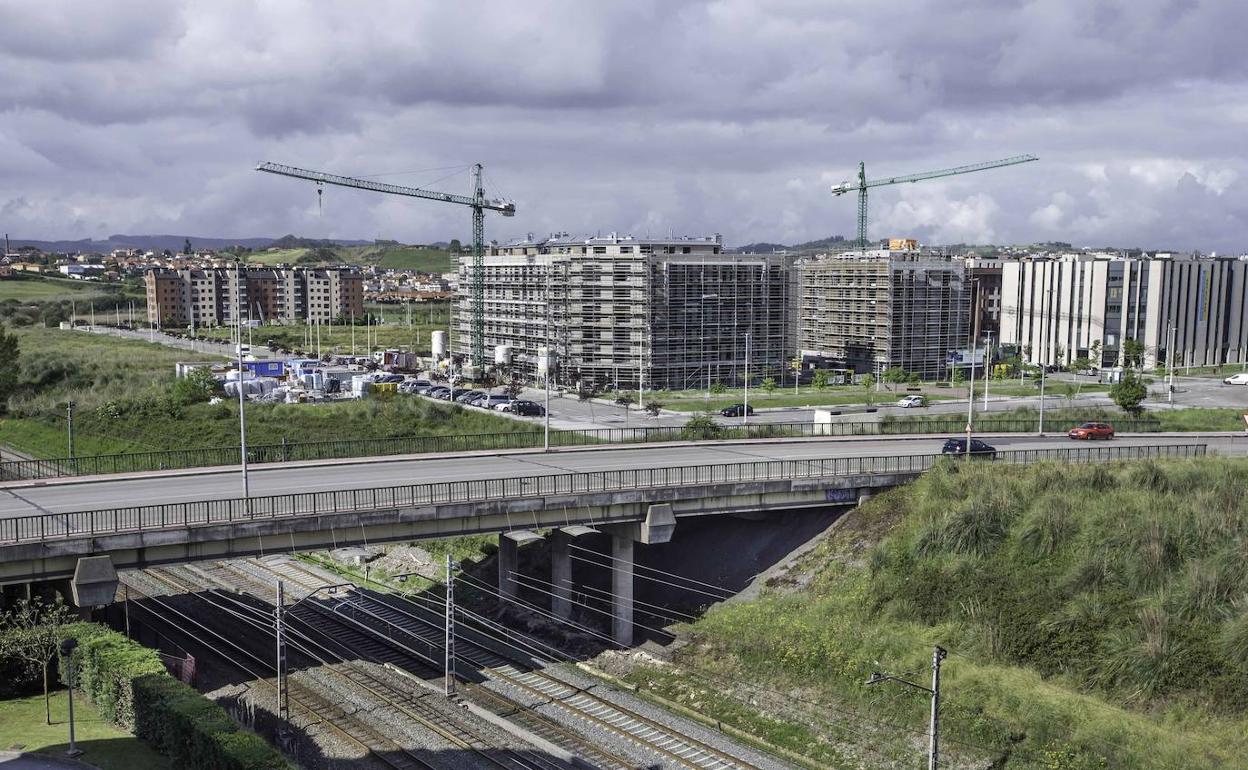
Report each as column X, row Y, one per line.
column 412, row 258
column 1095, row 617
column 696, row 401
column 1164, row 420
column 121, row 388
column 29, row 288
column 106, row 747
column 393, row 332
column 278, row 257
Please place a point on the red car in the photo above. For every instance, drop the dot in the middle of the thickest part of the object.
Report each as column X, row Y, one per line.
column 1091, row 430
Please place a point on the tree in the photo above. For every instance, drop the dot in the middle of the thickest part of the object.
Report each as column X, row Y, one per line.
column 455, row 246
column 1129, row 392
column 624, row 399
column 31, row 632
column 1094, row 351
column 820, row 379
column 956, row 377
column 186, row 247
column 198, row 385
column 1132, row 353
column 653, row 408
column 768, row 384
column 513, row 389
column 1082, row 363
column 868, row 385
column 895, row 375
column 586, row 394
column 10, row 349
column 719, row 388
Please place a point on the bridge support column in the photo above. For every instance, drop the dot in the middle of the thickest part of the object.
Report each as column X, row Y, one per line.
column 622, row 588
column 508, row 563
column 561, row 573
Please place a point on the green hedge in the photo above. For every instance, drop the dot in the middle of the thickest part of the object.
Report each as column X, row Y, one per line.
column 130, row 687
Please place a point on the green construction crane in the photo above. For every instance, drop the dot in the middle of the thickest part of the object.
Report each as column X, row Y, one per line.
column 477, row 201
column 863, row 184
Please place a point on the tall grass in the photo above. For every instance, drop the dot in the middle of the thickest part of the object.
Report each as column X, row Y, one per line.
column 1098, row 614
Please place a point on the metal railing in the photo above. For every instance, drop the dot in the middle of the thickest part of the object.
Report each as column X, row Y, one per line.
column 48, row 526
column 258, row 454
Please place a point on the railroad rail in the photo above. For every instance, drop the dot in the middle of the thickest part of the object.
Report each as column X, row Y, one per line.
column 402, row 703
column 578, row 704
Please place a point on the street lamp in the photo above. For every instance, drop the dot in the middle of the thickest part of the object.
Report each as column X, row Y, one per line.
column 938, row 654
column 67, row 652
column 242, row 398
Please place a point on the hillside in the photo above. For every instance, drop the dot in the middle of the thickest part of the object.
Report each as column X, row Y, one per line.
column 1096, row 617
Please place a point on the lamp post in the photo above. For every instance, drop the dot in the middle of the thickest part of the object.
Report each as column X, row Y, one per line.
column 933, row 742
column 67, row 652
column 242, row 398
column 745, row 407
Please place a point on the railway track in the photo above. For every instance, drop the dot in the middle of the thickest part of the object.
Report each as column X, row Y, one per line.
column 417, row 624
column 211, row 586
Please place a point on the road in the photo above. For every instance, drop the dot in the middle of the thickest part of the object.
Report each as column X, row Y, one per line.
column 23, row 498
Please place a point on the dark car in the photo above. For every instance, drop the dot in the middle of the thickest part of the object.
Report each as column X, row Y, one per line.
column 1090, row 430
column 957, row 446
column 466, row 396
column 437, row 391
column 525, row 409
column 736, row 410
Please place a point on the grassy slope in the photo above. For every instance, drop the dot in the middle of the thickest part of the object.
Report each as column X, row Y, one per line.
column 1096, row 618
column 96, row 370
column 1061, row 419
column 393, row 333
column 34, row 289
column 408, row 258
column 106, row 747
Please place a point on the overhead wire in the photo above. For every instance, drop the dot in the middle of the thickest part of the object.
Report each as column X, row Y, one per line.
column 725, row 592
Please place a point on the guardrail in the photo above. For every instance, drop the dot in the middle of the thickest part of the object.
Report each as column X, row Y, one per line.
column 257, row 454
column 49, row 526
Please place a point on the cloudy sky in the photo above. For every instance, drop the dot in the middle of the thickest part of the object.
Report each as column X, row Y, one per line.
column 641, row 116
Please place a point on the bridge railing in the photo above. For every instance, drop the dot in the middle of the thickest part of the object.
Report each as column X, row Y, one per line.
column 289, row 451
column 50, row 526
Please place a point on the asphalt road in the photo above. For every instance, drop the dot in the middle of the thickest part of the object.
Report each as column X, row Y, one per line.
column 18, row 499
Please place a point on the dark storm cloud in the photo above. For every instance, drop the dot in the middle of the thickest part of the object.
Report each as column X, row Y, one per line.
column 646, row 115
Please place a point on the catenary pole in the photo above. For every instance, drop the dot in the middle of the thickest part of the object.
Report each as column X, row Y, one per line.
column 242, row 398
column 933, row 743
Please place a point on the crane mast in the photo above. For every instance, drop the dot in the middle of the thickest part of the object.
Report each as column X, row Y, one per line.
column 863, row 185
column 477, row 202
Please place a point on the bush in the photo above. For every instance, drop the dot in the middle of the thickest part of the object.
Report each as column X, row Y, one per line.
column 130, row 687
column 700, row 427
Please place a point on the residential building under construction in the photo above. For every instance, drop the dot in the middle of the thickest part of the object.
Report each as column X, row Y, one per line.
column 625, row 312
column 868, row 311
column 194, row 297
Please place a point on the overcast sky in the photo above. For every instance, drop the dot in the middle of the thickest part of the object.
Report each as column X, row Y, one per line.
column 640, row 116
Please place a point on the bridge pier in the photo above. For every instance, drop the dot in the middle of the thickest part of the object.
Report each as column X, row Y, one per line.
column 622, row 586
column 508, row 563
column 561, row 573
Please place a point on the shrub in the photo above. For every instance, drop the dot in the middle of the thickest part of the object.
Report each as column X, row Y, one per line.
column 130, row 687
column 701, row 427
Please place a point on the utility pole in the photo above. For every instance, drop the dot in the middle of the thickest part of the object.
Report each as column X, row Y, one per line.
column 450, row 628
column 933, row 727
column 987, row 363
column 283, row 703
column 1042, row 372
column 745, row 407
column 242, row 398
column 970, row 405
column 69, row 421
column 1170, row 365
column 546, row 418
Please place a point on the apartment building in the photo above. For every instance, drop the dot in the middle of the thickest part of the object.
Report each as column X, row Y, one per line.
column 195, row 297
column 632, row 312
column 872, row 310
column 1057, row 309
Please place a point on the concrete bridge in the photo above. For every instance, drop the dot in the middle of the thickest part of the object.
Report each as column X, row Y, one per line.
column 632, row 504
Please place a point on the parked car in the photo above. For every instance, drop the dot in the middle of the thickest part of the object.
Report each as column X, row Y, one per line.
column 1236, row 379
column 907, row 402
column 388, row 378
column 736, row 410
column 1090, row 430
column 467, row 396
column 413, row 386
column 957, row 446
column 438, row 391
column 523, row 408
column 489, row 401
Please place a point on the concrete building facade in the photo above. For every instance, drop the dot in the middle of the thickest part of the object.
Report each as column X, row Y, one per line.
column 630, row 312
column 869, row 311
column 1060, row 309
column 193, row 297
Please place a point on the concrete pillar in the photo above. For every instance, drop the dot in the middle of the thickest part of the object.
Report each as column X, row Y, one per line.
column 622, row 588
column 508, row 562
column 561, row 573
